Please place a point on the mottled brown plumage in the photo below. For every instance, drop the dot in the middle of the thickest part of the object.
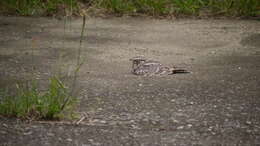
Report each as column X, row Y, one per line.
column 142, row 66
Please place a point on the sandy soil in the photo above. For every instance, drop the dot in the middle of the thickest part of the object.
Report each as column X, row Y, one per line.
column 217, row 104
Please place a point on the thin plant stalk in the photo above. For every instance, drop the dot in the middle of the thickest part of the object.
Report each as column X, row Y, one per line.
column 79, row 63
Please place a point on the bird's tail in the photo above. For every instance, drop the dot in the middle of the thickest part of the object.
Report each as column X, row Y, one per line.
column 178, row 71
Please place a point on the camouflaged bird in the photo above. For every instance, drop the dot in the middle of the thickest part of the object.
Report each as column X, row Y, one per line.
column 144, row 67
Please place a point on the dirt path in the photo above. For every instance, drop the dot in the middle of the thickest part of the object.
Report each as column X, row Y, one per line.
column 217, row 104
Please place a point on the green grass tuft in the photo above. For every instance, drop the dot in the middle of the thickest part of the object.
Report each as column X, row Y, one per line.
column 186, row 7
column 30, row 103
column 149, row 7
column 234, row 7
column 37, row 7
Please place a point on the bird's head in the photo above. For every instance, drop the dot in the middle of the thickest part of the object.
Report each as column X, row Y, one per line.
column 137, row 61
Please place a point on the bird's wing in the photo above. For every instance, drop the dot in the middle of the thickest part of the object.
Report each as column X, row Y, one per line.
column 148, row 67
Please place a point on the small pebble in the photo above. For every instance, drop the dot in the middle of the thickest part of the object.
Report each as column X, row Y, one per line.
column 180, row 127
column 5, row 125
column 3, row 132
column 50, row 134
column 27, row 133
column 248, row 122
column 103, row 122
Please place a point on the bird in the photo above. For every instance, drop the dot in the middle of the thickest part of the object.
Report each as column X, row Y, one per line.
column 143, row 67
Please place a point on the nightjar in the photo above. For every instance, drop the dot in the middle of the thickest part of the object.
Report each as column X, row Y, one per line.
column 142, row 66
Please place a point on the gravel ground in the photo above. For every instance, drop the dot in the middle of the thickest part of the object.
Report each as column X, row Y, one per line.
column 217, row 104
